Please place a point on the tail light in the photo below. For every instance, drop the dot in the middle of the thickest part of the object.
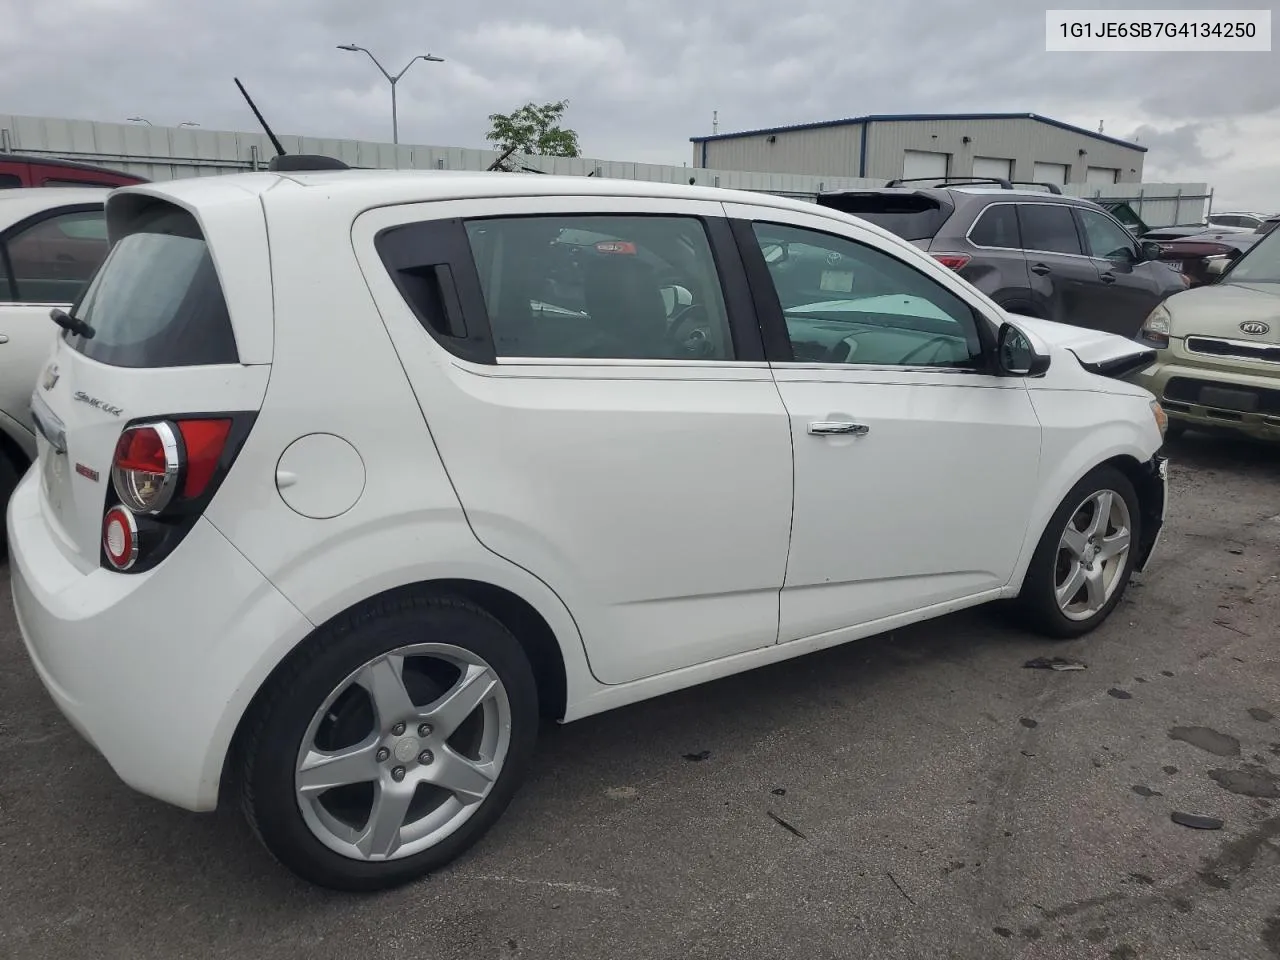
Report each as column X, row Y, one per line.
column 953, row 261
column 1194, row 251
column 163, row 474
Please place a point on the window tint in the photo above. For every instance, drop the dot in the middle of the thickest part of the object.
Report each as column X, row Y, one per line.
column 9, row 180
column 1106, row 238
column 157, row 301
column 1260, row 263
column 53, row 259
column 601, row 287
column 912, row 217
column 845, row 302
column 997, row 226
column 1048, row 227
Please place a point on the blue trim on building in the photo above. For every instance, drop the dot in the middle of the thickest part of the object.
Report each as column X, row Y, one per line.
column 909, row 117
column 862, row 150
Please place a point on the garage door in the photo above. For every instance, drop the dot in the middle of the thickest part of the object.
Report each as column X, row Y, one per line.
column 1100, row 175
column 993, row 167
column 1049, row 173
column 920, row 163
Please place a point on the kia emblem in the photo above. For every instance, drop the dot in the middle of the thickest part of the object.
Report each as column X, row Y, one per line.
column 1255, row 327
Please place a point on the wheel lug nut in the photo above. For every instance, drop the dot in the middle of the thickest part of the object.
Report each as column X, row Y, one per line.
column 425, row 757
column 397, row 774
column 424, row 730
column 398, row 729
column 382, row 754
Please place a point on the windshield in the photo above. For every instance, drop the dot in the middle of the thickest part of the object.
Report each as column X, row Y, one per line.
column 1261, row 264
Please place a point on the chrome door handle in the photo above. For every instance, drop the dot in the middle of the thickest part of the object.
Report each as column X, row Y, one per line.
column 824, row 428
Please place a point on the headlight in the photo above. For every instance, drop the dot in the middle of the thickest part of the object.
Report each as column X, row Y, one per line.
column 1155, row 329
column 1162, row 418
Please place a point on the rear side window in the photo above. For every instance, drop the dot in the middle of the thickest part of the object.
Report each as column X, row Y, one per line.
column 997, row 226
column 157, row 301
column 1049, row 228
column 911, row 216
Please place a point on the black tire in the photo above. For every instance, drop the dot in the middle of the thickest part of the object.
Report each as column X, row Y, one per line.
column 275, row 731
column 1036, row 602
column 10, row 474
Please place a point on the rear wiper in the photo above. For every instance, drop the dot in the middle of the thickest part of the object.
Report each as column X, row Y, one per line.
column 66, row 321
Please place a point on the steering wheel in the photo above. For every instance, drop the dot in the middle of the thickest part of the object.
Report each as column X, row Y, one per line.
column 689, row 332
column 931, row 342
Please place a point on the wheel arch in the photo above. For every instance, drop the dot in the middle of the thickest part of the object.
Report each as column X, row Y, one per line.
column 514, row 612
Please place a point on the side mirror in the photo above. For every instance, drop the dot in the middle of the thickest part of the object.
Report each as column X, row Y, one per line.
column 1151, row 250
column 1015, row 356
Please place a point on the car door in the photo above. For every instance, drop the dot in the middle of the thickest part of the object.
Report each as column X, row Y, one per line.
column 592, row 373
column 1062, row 278
column 1129, row 287
column 45, row 261
column 915, row 468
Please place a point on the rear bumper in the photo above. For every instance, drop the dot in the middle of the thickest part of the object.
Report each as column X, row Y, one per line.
column 152, row 669
column 1153, row 500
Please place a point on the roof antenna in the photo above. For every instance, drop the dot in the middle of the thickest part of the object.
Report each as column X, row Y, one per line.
column 298, row 161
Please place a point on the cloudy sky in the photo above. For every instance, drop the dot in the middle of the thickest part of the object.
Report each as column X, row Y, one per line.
column 642, row 76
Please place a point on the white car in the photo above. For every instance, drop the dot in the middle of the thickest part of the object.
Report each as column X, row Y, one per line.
column 52, row 239
column 360, row 472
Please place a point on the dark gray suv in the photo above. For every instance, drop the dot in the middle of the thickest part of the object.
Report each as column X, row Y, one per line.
column 1040, row 254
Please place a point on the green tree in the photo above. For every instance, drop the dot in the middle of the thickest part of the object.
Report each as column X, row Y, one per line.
column 535, row 129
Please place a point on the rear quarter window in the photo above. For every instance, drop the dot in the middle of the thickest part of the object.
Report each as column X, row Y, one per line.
column 157, row 300
column 997, row 226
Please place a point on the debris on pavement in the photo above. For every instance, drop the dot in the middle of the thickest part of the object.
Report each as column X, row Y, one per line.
column 1120, row 694
column 894, row 881
column 695, row 757
column 1195, row 821
column 1029, row 723
column 1055, row 663
column 1250, row 780
column 786, row 826
column 1262, row 716
column 1145, row 791
column 780, row 791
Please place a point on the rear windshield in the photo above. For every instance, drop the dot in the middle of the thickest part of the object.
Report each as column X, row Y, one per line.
column 912, row 217
column 156, row 301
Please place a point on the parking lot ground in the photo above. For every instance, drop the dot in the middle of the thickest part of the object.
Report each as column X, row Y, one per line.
column 916, row 795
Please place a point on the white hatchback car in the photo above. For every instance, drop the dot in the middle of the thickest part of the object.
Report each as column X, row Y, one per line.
column 52, row 239
column 349, row 476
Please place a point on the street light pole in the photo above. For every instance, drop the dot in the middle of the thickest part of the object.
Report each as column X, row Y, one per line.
column 393, row 80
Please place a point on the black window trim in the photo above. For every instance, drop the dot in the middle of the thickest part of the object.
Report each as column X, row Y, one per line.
column 773, row 324
column 33, row 220
column 1134, row 252
column 477, row 344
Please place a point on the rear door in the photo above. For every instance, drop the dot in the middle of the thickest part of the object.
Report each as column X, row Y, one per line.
column 45, row 261
column 999, row 266
column 592, row 373
column 1063, row 280
column 162, row 346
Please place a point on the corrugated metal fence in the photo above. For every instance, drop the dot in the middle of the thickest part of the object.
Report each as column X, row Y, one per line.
column 166, row 153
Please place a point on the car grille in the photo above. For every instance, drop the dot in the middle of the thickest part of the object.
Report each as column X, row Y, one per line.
column 1212, row 346
column 1224, row 396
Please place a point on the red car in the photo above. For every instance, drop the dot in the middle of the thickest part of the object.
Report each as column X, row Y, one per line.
column 24, row 171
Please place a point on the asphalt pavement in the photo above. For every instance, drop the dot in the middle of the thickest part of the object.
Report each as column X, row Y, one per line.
column 917, row 795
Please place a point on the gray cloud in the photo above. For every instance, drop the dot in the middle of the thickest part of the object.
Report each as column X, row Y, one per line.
column 641, row 75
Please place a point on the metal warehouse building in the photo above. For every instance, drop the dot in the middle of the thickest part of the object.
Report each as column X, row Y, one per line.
column 1013, row 146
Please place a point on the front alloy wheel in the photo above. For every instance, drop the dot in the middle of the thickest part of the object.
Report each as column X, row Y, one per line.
column 1085, row 557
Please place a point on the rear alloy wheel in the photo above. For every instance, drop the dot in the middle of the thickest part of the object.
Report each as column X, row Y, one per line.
column 1085, row 557
column 393, row 747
